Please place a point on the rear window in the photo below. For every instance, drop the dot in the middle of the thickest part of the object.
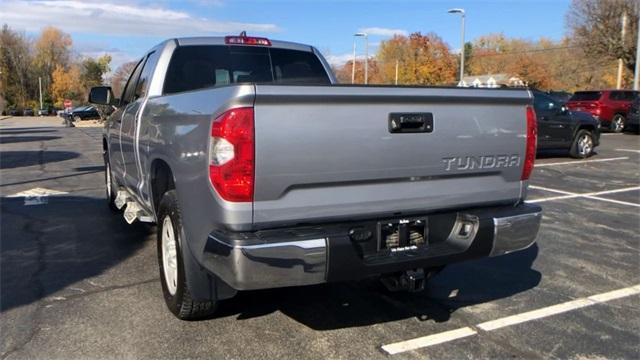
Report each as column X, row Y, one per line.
column 586, row 96
column 197, row 67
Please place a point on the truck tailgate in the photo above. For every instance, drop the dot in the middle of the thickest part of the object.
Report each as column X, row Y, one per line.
column 327, row 152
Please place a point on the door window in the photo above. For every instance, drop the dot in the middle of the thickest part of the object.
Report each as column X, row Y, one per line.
column 142, row 86
column 543, row 103
column 128, row 94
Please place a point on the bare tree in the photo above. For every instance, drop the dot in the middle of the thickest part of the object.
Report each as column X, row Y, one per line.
column 120, row 77
column 596, row 25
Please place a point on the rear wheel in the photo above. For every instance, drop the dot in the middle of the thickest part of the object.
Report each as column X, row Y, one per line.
column 170, row 260
column 110, row 185
column 583, row 145
column 617, row 123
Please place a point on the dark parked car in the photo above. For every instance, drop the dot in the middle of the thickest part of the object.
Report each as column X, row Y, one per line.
column 84, row 113
column 560, row 96
column 609, row 106
column 14, row 112
column 27, row 112
column 633, row 118
column 561, row 128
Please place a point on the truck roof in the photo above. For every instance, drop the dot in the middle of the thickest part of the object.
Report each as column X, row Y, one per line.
column 219, row 40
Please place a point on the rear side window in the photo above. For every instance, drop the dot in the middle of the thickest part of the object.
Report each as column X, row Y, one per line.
column 198, row 67
column 586, row 96
column 616, row 95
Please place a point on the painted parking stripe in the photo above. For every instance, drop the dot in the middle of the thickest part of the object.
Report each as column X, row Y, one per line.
column 582, row 161
column 629, row 150
column 427, row 341
column 559, row 308
column 591, row 195
column 443, row 337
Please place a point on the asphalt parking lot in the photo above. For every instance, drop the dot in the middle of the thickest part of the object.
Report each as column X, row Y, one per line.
column 78, row 282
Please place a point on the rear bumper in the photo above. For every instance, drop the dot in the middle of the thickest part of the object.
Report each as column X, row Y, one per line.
column 326, row 253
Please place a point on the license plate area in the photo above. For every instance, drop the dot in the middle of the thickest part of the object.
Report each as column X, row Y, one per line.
column 400, row 235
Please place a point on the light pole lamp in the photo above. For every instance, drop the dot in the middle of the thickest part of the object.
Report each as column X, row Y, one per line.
column 366, row 55
column 461, row 12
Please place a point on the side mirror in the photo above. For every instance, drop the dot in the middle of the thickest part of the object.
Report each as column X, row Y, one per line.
column 101, row 95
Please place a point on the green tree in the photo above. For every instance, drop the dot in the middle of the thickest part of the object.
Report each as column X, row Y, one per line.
column 16, row 79
column 94, row 70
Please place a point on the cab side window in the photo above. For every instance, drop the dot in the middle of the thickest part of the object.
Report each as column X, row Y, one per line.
column 142, row 86
column 128, row 94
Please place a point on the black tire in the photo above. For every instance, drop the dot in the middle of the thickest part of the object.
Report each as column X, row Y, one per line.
column 111, row 188
column 617, row 123
column 181, row 304
column 77, row 118
column 579, row 150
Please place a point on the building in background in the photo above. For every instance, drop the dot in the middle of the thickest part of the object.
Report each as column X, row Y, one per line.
column 493, row 81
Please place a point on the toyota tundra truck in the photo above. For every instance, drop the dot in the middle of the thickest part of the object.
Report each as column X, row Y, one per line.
column 261, row 172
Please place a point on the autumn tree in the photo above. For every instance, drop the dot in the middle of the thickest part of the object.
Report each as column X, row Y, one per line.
column 67, row 85
column 343, row 73
column 52, row 49
column 422, row 60
column 596, row 25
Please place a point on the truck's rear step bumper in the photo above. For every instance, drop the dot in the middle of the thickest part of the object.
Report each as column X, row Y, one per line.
column 325, row 253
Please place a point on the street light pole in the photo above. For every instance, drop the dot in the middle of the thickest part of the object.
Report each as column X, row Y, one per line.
column 620, row 64
column 40, row 86
column 366, row 60
column 397, row 63
column 366, row 54
column 637, row 72
column 353, row 64
column 462, row 13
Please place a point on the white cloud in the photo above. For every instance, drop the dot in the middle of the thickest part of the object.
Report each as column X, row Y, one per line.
column 339, row 60
column 383, row 31
column 115, row 18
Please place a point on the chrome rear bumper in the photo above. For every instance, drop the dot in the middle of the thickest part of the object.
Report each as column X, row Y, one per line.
column 307, row 256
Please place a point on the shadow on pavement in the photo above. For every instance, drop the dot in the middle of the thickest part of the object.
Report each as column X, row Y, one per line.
column 18, row 139
column 45, row 248
column 16, row 159
column 355, row 304
column 7, row 130
column 548, row 154
column 96, row 168
column 17, row 132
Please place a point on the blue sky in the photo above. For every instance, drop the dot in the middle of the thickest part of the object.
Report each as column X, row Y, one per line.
column 126, row 29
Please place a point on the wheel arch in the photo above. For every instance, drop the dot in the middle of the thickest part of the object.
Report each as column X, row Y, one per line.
column 161, row 181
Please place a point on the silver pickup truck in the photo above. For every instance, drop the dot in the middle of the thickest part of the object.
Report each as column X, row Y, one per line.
column 261, row 172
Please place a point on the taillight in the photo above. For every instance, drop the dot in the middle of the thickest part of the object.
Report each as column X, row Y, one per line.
column 231, row 155
column 532, row 139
